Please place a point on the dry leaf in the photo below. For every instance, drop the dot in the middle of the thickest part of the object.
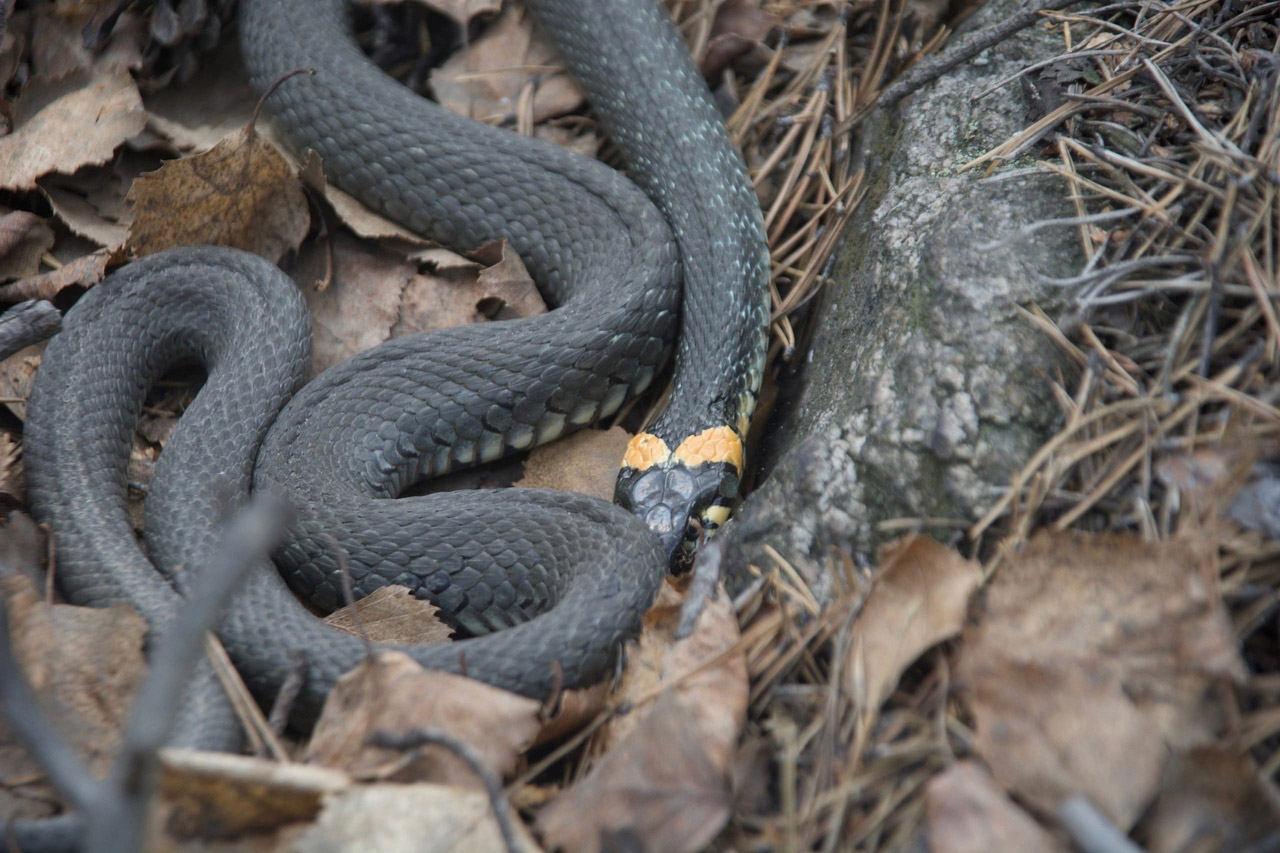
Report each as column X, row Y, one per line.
column 17, row 375
column 240, row 193
column 657, row 790
column 412, row 819
column 1212, row 798
column 82, row 272
column 586, row 461
column 374, row 294
column 64, row 123
column 1093, row 660
column 738, row 30
column 80, row 215
column 966, row 812
column 487, row 81
column 215, row 796
column 363, row 221
column 215, row 103
column 86, row 665
column 918, row 599
column 392, row 614
column 392, row 693
column 663, row 781
column 11, row 482
column 24, row 238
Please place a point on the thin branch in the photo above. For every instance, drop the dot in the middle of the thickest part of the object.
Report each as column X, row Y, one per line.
column 415, row 739
column 27, row 323
column 117, row 822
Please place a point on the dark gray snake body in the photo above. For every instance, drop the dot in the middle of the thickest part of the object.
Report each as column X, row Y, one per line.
column 416, row 407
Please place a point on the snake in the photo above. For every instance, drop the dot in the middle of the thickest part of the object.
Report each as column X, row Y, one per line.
column 670, row 257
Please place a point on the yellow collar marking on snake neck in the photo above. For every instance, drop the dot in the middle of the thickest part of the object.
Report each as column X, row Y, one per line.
column 717, row 444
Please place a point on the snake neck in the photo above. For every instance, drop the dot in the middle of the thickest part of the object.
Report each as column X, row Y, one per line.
column 682, row 474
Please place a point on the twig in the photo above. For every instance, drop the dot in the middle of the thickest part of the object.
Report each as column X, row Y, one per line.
column 115, row 809
column 934, row 67
column 118, row 822
column 27, row 323
column 1090, row 829
column 415, row 739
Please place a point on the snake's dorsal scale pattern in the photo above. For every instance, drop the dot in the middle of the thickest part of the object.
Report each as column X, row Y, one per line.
column 417, row 405
column 657, row 109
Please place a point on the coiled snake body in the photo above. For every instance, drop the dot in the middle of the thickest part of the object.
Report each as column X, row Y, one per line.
column 344, row 444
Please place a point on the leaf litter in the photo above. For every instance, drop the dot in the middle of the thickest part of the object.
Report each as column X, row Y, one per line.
column 1134, row 667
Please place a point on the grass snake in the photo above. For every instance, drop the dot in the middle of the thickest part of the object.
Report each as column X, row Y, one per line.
column 610, row 255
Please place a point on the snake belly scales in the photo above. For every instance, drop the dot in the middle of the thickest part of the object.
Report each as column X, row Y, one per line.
column 567, row 577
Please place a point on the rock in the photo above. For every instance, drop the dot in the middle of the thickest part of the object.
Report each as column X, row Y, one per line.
column 926, row 389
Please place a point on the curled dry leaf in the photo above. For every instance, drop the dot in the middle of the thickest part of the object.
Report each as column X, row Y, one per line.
column 24, row 238
column 82, row 272
column 392, row 614
column 663, row 782
column 86, row 665
column 488, row 80
column 63, row 123
column 240, row 193
column 1094, row 659
column 966, row 812
column 418, row 818
column 918, row 599
column 392, row 693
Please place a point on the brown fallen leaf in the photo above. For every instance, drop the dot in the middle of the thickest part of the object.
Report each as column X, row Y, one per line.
column 417, row 818
column 739, row 29
column 207, row 797
column 63, row 123
column 215, row 103
column 11, row 479
column 375, row 294
column 58, row 42
column 240, row 193
column 24, row 238
column 487, row 81
column 1093, row 660
column 86, row 665
column 918, row 599
column 663, row 780
column 17, row 375
column 80, row 215
column 1212, row 798
column 84, row 271
column 392, row 614
column 392, row 693
column 966, row 812
column 585, row 462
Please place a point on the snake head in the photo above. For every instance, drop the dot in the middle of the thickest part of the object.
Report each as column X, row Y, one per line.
column 681, row 495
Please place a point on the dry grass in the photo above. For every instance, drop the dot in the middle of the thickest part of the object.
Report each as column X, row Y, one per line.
column 1168, row 145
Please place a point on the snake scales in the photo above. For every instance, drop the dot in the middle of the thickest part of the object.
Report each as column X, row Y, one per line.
column 610, row 256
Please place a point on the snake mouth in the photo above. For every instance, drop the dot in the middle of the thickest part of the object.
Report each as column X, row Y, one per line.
column 678, row 503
